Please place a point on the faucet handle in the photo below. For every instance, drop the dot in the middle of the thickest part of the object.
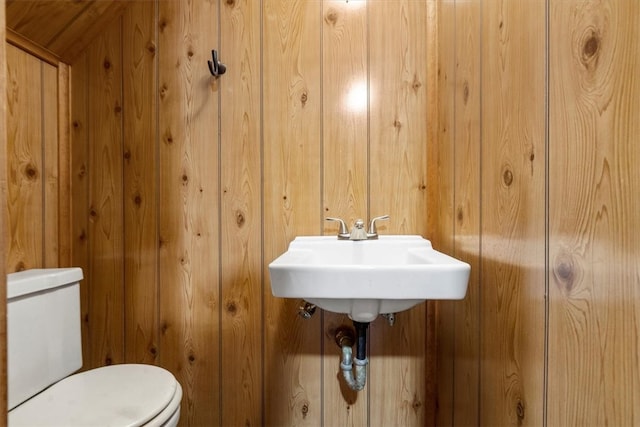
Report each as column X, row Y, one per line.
column 373, row 231
column 343, row 233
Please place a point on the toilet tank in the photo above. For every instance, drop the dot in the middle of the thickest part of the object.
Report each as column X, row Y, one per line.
column 43, row 329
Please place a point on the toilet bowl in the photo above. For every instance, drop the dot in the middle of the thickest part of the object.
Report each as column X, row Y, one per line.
column 43, row 342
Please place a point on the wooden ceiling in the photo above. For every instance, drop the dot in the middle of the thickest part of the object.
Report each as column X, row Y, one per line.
column 63, row 27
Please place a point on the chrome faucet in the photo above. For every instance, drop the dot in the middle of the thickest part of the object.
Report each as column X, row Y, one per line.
column 358, row 231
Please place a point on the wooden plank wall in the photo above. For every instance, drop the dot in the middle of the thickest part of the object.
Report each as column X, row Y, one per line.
column 32, row 161
column 185, row 187
column 3, row 218
column 594, row 213
column 539, row 116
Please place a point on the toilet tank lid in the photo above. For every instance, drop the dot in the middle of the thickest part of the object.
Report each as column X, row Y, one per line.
column 40, row 279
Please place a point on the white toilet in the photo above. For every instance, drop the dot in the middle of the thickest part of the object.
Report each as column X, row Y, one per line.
column 44, row 348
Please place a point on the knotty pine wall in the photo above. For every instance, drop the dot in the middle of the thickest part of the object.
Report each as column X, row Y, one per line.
column 185, row 187
column 539, row 118
column 3, row 217
column 37, row 223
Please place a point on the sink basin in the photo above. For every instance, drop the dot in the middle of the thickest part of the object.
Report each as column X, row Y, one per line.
column 366, row 278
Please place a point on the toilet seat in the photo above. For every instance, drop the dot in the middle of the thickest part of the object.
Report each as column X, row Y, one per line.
column 118, row 395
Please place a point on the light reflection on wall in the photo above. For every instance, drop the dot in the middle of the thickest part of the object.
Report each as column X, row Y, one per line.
column 356, row 99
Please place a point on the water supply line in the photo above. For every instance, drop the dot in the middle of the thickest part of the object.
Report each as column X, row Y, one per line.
column 356, row 377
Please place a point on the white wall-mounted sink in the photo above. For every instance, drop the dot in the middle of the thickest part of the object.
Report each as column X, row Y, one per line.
column 366, row 278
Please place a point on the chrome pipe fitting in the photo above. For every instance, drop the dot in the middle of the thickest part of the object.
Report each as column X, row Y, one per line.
column 306, row 309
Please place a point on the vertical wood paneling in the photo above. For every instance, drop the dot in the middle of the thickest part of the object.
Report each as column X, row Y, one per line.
column 592, row 184
column 345, row 154
column 292, row 203
column 140, row 183
column 64, row 159
column 106, row 300
column 80, row 189
column 25, row 167
column 398, row 180
column 35, row 164
column 467, row 187
column 80, row 178
column 431, row 336
column 592, row 104
column 513, row 213
column 50, row 161
column 441, row 197
column 287, row 153
column 241, row 210
column 3, row 228
column 594, row 285
column 345, row 104
column 188, row 207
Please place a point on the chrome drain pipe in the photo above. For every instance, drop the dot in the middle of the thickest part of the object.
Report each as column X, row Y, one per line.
column 355, row 377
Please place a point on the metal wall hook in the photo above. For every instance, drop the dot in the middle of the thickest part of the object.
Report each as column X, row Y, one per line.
column 216, row 67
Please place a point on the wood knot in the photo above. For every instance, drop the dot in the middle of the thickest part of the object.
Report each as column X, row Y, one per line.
column 76, row 124
column 108, row 360
column 20, row 266
column 31, row 172
column 127, row 155
column 303, row 98
column 185, row 179
column 507, row 177
column 397, row 124
column 163, row 91
column 117, row 108
column 591, row 42
column 465, row 92
column 93, row 214
column 192, row 358
column 83, row 236
column 460, row 214
column 190, row 53
column 137, row 200
column 168, row 138
column 416, row 84
column 106, row 64
column 591, row 46
column 164, row 327
column 230, row 3
column 162, row 24
column 151, row 48
column 231, row 307
column 564, row 271
column 153, row 351
column 305, row 409
column 520, row 410
column 331, row 17
column 240, row 220
column 416, row 404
